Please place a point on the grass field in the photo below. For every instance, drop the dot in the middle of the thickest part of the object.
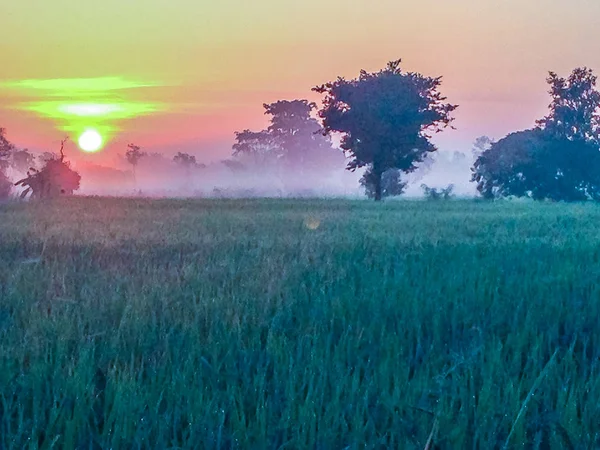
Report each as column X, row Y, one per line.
column 281, row 324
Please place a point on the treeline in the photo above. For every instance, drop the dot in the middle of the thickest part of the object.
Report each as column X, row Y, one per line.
column 385, row 122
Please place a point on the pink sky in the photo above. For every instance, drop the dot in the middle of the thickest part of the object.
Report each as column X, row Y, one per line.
column 219, row 61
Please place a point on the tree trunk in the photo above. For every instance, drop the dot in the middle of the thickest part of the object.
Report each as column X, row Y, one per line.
column 377, row 180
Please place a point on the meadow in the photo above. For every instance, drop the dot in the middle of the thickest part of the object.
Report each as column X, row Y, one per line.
column 299, row 324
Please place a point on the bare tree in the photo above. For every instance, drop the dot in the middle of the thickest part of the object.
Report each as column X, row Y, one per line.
column 133, row 155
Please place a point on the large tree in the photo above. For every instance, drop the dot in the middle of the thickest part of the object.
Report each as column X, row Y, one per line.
column 575, row 106
column 256, row 148
column 385, row 118
column 293, row 140
column 557, row 160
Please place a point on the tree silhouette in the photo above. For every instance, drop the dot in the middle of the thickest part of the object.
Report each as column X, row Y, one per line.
column 557, row 160
column 256, row 148
column 302, row 144
column 54, row 179
column 185, row 160
column 133, row 155
column 293, row 140
column 385, row 118
column 575, row 107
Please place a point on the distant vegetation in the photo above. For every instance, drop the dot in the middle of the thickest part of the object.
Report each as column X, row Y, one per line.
column 557, row 160
column 432, row 193
column 293, row 142
column 385, row 121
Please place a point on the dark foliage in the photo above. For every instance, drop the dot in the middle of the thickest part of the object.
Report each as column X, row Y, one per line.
column 559, row 159
column 385, row 118
column 574, row 110
column 185, row 160
column 56, row 178
column 293, row 140
column 432, row 193
column 391, row 183
column 133, row 156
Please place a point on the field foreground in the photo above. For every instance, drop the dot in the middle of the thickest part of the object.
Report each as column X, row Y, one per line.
column 282, row 324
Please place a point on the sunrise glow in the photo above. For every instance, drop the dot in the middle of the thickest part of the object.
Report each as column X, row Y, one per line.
column 188, row 77
column 90, row 141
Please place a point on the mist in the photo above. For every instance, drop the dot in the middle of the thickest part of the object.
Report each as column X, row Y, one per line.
column 157, row 175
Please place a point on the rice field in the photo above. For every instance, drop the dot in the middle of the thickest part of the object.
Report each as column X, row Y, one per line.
column 299, row 324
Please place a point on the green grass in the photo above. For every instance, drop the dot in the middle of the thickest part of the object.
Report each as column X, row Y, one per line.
column 131, row 324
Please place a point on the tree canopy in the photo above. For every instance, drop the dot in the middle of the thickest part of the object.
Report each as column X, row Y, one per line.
column 293, row 140
column 185, row 160
column 385, row 118
column 557, row 160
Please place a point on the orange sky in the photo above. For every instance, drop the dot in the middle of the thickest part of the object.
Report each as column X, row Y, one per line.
column 219, row 61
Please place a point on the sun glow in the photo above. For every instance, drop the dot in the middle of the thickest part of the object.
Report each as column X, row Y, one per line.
column 90, row 141
column 94, row 109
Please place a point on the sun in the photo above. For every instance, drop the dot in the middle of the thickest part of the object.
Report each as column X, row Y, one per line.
column 90, row 141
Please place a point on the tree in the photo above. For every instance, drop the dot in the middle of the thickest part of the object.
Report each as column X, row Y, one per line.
column 256, row 148
column 133, row 155
column 575, row 107
column 302, row 144
column 293, row 140
column 185, row 161
column 391, row 183
column 56, row 178
column 385, row 118
column 557, row 160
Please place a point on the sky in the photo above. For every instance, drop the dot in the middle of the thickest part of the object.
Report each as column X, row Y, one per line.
column 205, row 67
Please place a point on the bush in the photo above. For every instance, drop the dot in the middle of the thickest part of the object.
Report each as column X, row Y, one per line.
column 432, row 193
